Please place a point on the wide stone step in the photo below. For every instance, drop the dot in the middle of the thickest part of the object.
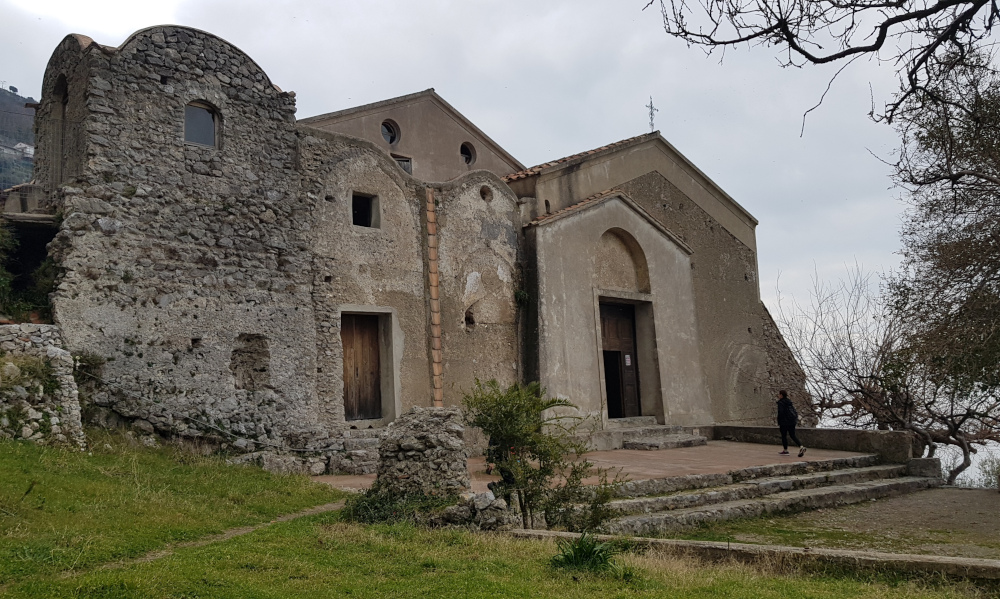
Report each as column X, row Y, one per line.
column 671, row 484
column 633, row 422
column 755, row 488
column 668, row 441
column 786, row 502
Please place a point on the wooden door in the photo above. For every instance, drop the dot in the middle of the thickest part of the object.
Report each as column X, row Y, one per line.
column 621, row 369
column 362, row 380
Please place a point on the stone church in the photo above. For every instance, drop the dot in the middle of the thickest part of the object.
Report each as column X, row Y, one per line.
column 297, row 284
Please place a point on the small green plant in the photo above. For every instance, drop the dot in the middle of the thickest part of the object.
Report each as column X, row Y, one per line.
column 584, row 553
column 32, row 371
column 129, row 191
column 377, row 506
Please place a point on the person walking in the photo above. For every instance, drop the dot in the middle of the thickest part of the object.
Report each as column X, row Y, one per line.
column 788, row 417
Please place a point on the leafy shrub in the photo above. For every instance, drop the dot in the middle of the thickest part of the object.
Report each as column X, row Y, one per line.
column 584, row 553
column 538, row 455
column 377, row 506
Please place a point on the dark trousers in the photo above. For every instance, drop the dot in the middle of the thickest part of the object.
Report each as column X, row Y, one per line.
column 788, row 431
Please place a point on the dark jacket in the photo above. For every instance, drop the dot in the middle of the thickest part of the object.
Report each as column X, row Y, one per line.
column 787, row 415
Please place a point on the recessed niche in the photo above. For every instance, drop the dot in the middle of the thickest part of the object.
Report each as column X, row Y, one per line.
column 364, row 210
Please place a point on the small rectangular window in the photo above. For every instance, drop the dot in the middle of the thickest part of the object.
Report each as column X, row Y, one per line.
column 404, row 163
column 364, row 210
column 199, row 125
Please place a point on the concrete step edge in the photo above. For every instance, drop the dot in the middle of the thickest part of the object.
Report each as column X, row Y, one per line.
column 670, row 484
column 789, row 502
column 754, row 488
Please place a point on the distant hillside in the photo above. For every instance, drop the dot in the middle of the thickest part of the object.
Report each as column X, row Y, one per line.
column 16, row 126
column 16, row 121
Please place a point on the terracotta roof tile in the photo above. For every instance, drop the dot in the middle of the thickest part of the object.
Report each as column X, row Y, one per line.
column 539, row 168
column 577, row 206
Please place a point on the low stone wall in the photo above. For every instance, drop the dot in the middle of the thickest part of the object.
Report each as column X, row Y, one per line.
column 423, row 453
column 894, row 447
column 37, row 404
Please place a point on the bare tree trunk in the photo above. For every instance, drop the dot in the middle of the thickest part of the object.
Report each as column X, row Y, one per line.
column 966, row 462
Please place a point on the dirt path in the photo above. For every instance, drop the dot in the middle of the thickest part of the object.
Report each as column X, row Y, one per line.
column 209, row 540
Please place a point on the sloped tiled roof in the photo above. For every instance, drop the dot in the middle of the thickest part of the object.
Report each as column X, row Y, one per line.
column 598, row 198
column 584, row 203
column 539, row 168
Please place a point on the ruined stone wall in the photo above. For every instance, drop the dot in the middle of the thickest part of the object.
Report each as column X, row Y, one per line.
column 745, row 362
column 61, row 119
column 478, row 222
column 38, row 396
column 186, row 266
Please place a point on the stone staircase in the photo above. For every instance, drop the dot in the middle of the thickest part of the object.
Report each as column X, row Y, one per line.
column 642, row 432
column 360, row 452
column 656, row 506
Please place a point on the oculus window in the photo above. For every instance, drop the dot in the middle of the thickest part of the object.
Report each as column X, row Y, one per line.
column 468, row 153
column 200, row 124
column 390, row 132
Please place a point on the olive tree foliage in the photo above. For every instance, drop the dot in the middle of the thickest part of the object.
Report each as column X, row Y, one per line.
column 914, row 35
column 865, row 369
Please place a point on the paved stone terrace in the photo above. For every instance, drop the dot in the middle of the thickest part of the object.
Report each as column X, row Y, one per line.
column 716, row 457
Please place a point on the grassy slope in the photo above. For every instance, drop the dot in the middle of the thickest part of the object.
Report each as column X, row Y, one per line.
column 320, row 557
column 120, row 501
column 87, row 511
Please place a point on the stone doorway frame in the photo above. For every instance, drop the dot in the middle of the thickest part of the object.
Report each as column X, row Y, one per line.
column 647, row 357
column 390, row 341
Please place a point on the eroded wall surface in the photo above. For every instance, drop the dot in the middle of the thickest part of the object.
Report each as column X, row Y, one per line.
column 368, row 270
column 478, row 261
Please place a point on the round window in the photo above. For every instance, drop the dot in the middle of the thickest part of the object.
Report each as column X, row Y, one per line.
column 468, row 153
column 390, row 132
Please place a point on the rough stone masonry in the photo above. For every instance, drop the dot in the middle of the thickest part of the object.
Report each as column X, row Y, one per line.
column 424, row 454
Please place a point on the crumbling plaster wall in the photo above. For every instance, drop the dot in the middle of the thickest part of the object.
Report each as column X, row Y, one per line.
column 374, row 270
column 745, row 361
column 478, row 222
column 172, row 251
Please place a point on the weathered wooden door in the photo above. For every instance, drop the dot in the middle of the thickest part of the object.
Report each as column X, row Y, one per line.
column 621, row 369
column 362, row 380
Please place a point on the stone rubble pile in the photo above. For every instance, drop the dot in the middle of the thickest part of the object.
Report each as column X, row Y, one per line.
column 423, row 453
column 27, row 410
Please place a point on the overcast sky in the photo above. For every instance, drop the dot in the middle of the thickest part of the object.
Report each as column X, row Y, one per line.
column 549, row 79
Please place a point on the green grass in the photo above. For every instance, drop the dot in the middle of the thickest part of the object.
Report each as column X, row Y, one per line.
column 320, row 556
column 63, row 509
column 86, row 518
column 802, row 530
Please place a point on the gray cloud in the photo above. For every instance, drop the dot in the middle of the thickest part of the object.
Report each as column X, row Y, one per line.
column 551, row 79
